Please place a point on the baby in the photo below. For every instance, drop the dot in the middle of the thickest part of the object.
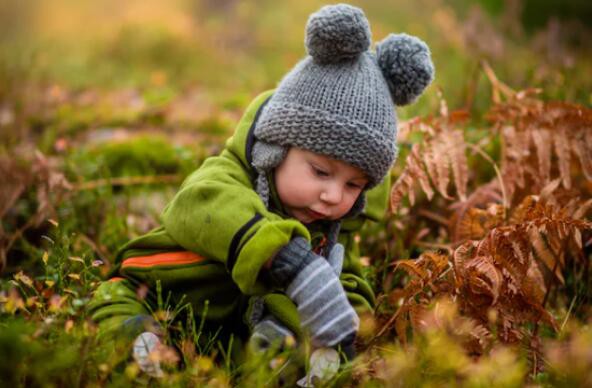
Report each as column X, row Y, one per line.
column 259, row 241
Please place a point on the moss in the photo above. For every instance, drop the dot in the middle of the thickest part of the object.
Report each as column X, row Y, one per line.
column 215, row 125
column 143, row 155
column 70, row 118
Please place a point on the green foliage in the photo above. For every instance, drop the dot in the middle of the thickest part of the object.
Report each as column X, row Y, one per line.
column 70, row 118
column 34, row 361
column 536, row 14
column 140, row 156
column 150, row 49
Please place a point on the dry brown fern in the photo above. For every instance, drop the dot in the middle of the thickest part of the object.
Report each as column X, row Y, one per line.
column 429, row 277
column 500, row 274
column 542, row 141
column 36, row 175
column 431, row 163
column 499, row 270
column 511, row 238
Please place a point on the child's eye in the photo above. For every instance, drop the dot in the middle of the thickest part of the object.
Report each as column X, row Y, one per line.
column 319, row 172
column 354, row 185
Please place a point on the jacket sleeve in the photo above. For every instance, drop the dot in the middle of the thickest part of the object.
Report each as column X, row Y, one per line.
column 218, row 214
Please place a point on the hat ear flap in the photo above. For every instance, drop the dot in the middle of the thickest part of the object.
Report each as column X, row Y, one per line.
column 407, row 66
column 266, row 156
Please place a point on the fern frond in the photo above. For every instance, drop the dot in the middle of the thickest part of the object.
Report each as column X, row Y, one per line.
column 563, row 153
column 458, row 160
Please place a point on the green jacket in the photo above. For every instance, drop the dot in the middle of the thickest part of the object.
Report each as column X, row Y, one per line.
column 221, row 234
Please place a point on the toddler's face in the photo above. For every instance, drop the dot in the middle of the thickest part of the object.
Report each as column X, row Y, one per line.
column 312, row 186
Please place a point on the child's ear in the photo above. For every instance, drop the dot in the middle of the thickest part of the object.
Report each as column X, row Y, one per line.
column 407, row 66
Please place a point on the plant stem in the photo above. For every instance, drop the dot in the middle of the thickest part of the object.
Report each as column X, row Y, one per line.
column 497, row 172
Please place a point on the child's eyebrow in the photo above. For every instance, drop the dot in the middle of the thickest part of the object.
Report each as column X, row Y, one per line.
column 315, row 159
column 361, row 178
column 326, row 162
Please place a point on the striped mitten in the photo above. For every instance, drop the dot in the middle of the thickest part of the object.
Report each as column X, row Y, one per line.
column 268, row 334
column 319, row 296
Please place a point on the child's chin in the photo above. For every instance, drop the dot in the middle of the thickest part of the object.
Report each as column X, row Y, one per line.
column 303, row 217
column 305, row 221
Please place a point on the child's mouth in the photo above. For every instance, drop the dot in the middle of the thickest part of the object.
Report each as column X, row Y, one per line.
column 316, row 215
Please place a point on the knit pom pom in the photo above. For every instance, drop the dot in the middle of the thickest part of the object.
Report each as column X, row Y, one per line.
column 336, row 33
column 406, row 64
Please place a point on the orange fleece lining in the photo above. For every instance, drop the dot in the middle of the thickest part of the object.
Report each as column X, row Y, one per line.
column 168, row 258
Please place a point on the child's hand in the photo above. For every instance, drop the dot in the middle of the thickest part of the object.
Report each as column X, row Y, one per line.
column 315, row 288
column 145, row 346
column 270, row 334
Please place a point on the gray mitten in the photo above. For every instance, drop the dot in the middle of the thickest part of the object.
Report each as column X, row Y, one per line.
column 315, row 288
column 269, row 333
column 335, row 258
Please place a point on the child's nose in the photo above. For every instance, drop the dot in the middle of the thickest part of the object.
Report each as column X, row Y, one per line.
column 332, row 193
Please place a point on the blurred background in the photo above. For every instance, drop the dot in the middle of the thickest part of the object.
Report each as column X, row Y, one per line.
column 200, row 57
column 96, row 90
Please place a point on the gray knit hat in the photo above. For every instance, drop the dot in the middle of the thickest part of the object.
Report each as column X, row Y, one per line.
column 338, row 101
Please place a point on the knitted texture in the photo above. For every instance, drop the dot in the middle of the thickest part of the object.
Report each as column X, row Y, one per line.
column 335, row 258
column 405, row 61
column 290, row 260
column 342, row 110
column 313, row 284
column 297, row 254
column 338, row 101
column 269, row 333
column 333, row 235
column 322, row 305
column 266, row 156
column 337, row 33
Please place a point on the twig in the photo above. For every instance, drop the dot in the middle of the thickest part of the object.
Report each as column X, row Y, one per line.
column 572, row 304
column 17, row 234
column 498, row 86
column 535, row 332
column 127, row 181
column 102, row 255
column 471, row 88
column 434, row 217
column 395, row 315
column 390, row 321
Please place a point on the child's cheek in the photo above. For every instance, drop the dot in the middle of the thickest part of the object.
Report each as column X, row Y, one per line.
column 348, row 203
column 292, row 195
column 299, row 197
